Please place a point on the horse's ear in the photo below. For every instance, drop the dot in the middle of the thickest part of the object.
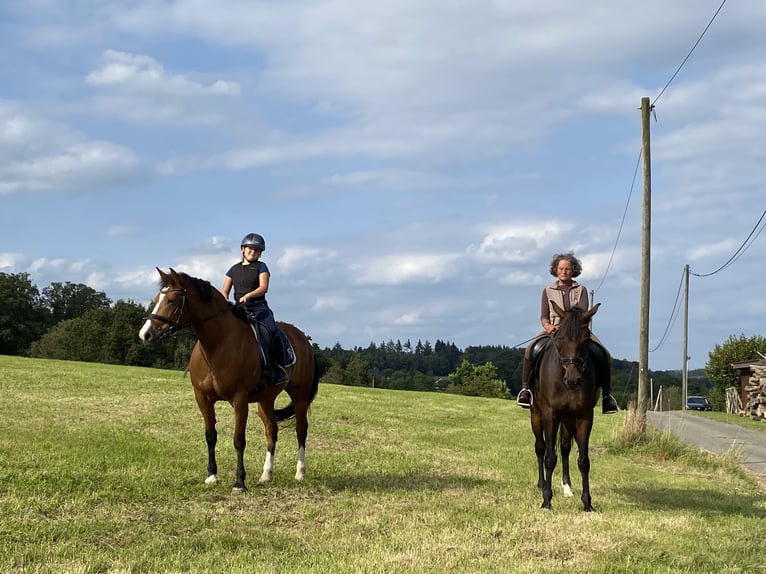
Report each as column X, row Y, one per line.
column 591, row 312
column 559, row 311
column 161, row 272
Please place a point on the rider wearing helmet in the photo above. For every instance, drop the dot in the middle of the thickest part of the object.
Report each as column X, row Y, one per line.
column 250, row 280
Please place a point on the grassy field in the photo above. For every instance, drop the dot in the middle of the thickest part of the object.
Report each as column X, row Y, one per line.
column 102, row 470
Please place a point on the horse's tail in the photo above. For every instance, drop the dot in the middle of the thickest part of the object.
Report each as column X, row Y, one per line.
column 288, row 412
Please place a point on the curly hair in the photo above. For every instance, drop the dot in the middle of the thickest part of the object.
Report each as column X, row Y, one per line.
column 576, row 265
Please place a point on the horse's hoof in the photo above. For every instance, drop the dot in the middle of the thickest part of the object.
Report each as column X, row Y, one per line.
column 238, row 490
column 567, row 490
column 212, row 479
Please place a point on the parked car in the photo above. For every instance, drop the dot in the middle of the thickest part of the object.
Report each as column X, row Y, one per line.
column 698, row 404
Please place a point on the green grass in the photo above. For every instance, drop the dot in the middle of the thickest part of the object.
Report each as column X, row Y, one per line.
column 102, row 470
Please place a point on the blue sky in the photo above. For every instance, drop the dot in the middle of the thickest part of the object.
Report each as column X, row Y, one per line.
column 412, row 165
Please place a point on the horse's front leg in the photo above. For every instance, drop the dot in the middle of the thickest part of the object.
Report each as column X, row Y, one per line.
column 551, row 434
column 241, row 408
column 207, row 408
column 270, row 429
column 566, row 447
column 582, row 437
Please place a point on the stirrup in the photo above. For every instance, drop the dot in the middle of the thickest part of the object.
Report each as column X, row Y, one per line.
column 524, row 398
column 280, row 374
column 608, row 405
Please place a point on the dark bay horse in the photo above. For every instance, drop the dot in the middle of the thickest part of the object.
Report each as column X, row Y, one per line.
column 564, row 397
column 225, row 365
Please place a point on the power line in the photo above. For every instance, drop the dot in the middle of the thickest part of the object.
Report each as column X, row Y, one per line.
column 673, row 316
column 667, row 85
column 742, row 248
column 619, row 232
column 689, row 54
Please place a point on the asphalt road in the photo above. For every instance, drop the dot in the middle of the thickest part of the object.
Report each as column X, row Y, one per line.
column 715, row 436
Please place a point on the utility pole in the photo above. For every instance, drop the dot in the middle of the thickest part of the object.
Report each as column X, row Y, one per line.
column 685, row 364
column 643, row 345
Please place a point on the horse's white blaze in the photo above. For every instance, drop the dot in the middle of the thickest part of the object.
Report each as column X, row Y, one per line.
column 148, row 323
column 212, row 479
column 567, row 489
column 300, row 468
column 268, row 468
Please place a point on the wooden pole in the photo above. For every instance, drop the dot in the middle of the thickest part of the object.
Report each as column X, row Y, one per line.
column 685, row 369
column 643, row 346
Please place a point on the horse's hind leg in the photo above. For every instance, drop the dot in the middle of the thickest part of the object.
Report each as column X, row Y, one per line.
column 271, row 430
column 302, row 431
column 207, row 408
column 566, row 448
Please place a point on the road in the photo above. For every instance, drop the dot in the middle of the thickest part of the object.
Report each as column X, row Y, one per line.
column 715, row 436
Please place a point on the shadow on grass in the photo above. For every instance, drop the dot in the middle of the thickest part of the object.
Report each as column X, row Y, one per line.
column 411, row 481
column 695, row 500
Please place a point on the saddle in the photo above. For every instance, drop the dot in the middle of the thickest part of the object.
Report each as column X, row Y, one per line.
column 268, row 342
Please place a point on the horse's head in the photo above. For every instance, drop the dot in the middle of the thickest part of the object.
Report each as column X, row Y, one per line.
column 172, row 310
column 572, row 340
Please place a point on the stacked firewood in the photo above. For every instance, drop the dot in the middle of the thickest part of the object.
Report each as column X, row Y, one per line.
column 755, row 407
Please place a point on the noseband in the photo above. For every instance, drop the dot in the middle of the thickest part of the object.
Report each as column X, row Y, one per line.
column 578, row 361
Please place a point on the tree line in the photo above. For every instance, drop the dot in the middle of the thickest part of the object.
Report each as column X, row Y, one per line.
column 72, row 321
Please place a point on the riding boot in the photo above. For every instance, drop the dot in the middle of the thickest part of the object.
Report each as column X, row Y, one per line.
column 608, row 402
column 277, row 358
column 524, row 398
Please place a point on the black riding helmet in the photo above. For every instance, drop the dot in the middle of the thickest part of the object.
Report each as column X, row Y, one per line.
column 253, row 240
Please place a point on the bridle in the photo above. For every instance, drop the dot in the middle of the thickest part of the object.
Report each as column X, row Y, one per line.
column 174, row 323
column 580, row 362
column 175, row 317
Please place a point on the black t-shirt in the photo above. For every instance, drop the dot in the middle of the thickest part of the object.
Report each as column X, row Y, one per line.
column 246, row 278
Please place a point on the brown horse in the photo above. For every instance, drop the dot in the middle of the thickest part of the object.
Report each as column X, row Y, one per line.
column 564, row 396
column 226, row 365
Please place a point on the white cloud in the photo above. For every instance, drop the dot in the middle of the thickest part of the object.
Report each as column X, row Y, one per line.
column 331, row 303
column 139, row 89
column 40, row 155
column 138, row 73
column 412, row 318
column 294, row 259
column 11, row 261
column 405, row 268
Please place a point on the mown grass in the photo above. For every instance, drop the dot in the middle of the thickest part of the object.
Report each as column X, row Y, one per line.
column 102, row 470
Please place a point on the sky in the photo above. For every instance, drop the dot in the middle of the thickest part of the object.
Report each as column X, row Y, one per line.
column 413, row 165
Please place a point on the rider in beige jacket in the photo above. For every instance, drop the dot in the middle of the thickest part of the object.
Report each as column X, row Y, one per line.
column 567, row 293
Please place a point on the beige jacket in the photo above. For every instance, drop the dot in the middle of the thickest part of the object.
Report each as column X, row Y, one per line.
column 578, row 297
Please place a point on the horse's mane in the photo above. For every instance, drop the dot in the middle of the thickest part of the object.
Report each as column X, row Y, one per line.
column 570, row 327
column 204, row 288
